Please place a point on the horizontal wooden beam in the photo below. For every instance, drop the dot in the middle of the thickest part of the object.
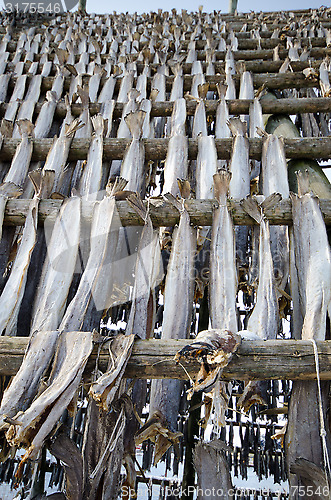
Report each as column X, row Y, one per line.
column 236, row 107
column 162, row 212
column 254, row 360
column 156, row 149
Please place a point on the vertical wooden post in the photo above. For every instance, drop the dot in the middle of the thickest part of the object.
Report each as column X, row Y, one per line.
column 232, row 6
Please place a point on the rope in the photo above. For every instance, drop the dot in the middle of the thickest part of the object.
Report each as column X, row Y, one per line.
column 326, row 460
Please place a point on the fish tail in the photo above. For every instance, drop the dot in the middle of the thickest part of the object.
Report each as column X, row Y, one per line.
column 221, row 90
column 6, row 128
column 10, row 190
column 221, row 184
column 98, row 124
column 43, row 181
column 135, row 122
column 117, row 185
column 73, row 127
column 153, row 94
column 303, row 182
column 261, row 132
column 184, row 188
column 237, row 127
column 202, row 90
column 136, row 203
column 84, row 96
column 25, row 127
column 251, row 206
column 176, row 203
column 271, row 201
column 51, row 95
column 133, row 94
column 62, row 56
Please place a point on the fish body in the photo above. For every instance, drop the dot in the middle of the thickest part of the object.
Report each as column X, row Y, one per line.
column 176, row 164
column 132, row 168
column 45, row 117
column 240, row 181
column 275, row 180
column 255, row 122
column 223, row 276
column 21, row 160
column 58, row 269
column 90, row 182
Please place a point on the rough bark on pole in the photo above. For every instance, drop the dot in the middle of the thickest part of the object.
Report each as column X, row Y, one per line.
column 254, row 360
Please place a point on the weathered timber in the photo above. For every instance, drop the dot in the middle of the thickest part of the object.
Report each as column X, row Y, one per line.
column 156, row 149
column 162, row 212
column 272, row 81
column 254, row 360
column 236, row 107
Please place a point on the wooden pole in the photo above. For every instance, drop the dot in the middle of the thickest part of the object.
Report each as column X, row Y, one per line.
column 236, row 107
column 162, row 212
column 254, row 360
column 156, row 149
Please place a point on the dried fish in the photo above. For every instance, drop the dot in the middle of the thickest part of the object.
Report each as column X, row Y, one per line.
column 90, row 182
column 165, row 394
column 223, row 276
column 275, row 180
column 58, row 269
column 132, row 168
column 7, row 190
column 45, row 117
column 21, row 160
column 240, row 181
column 36, row 422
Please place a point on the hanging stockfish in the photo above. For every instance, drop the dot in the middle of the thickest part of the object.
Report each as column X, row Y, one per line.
column 94, row 83
column 4, row 82
column 58, row 154
column 246, row 91
column 275, row 180
column 132, row 167
column 165, row 394
column 324, row 79
column 46, row 115
column 58, row 269
column 255, row 122
column 222, row 130
column 90, row 182
column 21, row 160
column 12, row 294
column 126, row 85
column 212, row 469
column 178, row 83
column 16, row 97
column 263, row 322
column 100, row 242
column 7, row 190
column 107, row 90
column 307, row 434
column 199, row 119
column 32, row 427
column 159, row 84
column 205, row 169
column 240, row 182
column 176, row 163
column 197, row 79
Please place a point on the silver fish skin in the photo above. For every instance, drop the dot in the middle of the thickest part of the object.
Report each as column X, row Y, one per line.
column 222, row 130
column 199, row 120
column 198, row 79
column 12, row 294
column 148, row 129
column 132, row 168
column 223, row 275
column 246, row 91
column 231, row 88
column 177, row 122
column 90, row 182
column 4, row 82
column 16, row 97
column 206, row 167
column 240, row 181
column 255, row 121
column 275, row 180
column 103, row 215
column 147, row 273
column 126, row 85
column 22, row 157
column 176, row 164
column 58, row 82
column 57, row 157
column 165, row 394
column 178, row 83
column 312, row 261
column 230, row 65
column 58, row 269
column 159, row 84
column 45, row 117
column 264, row 320
column 24, row 113
column 107, row 90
